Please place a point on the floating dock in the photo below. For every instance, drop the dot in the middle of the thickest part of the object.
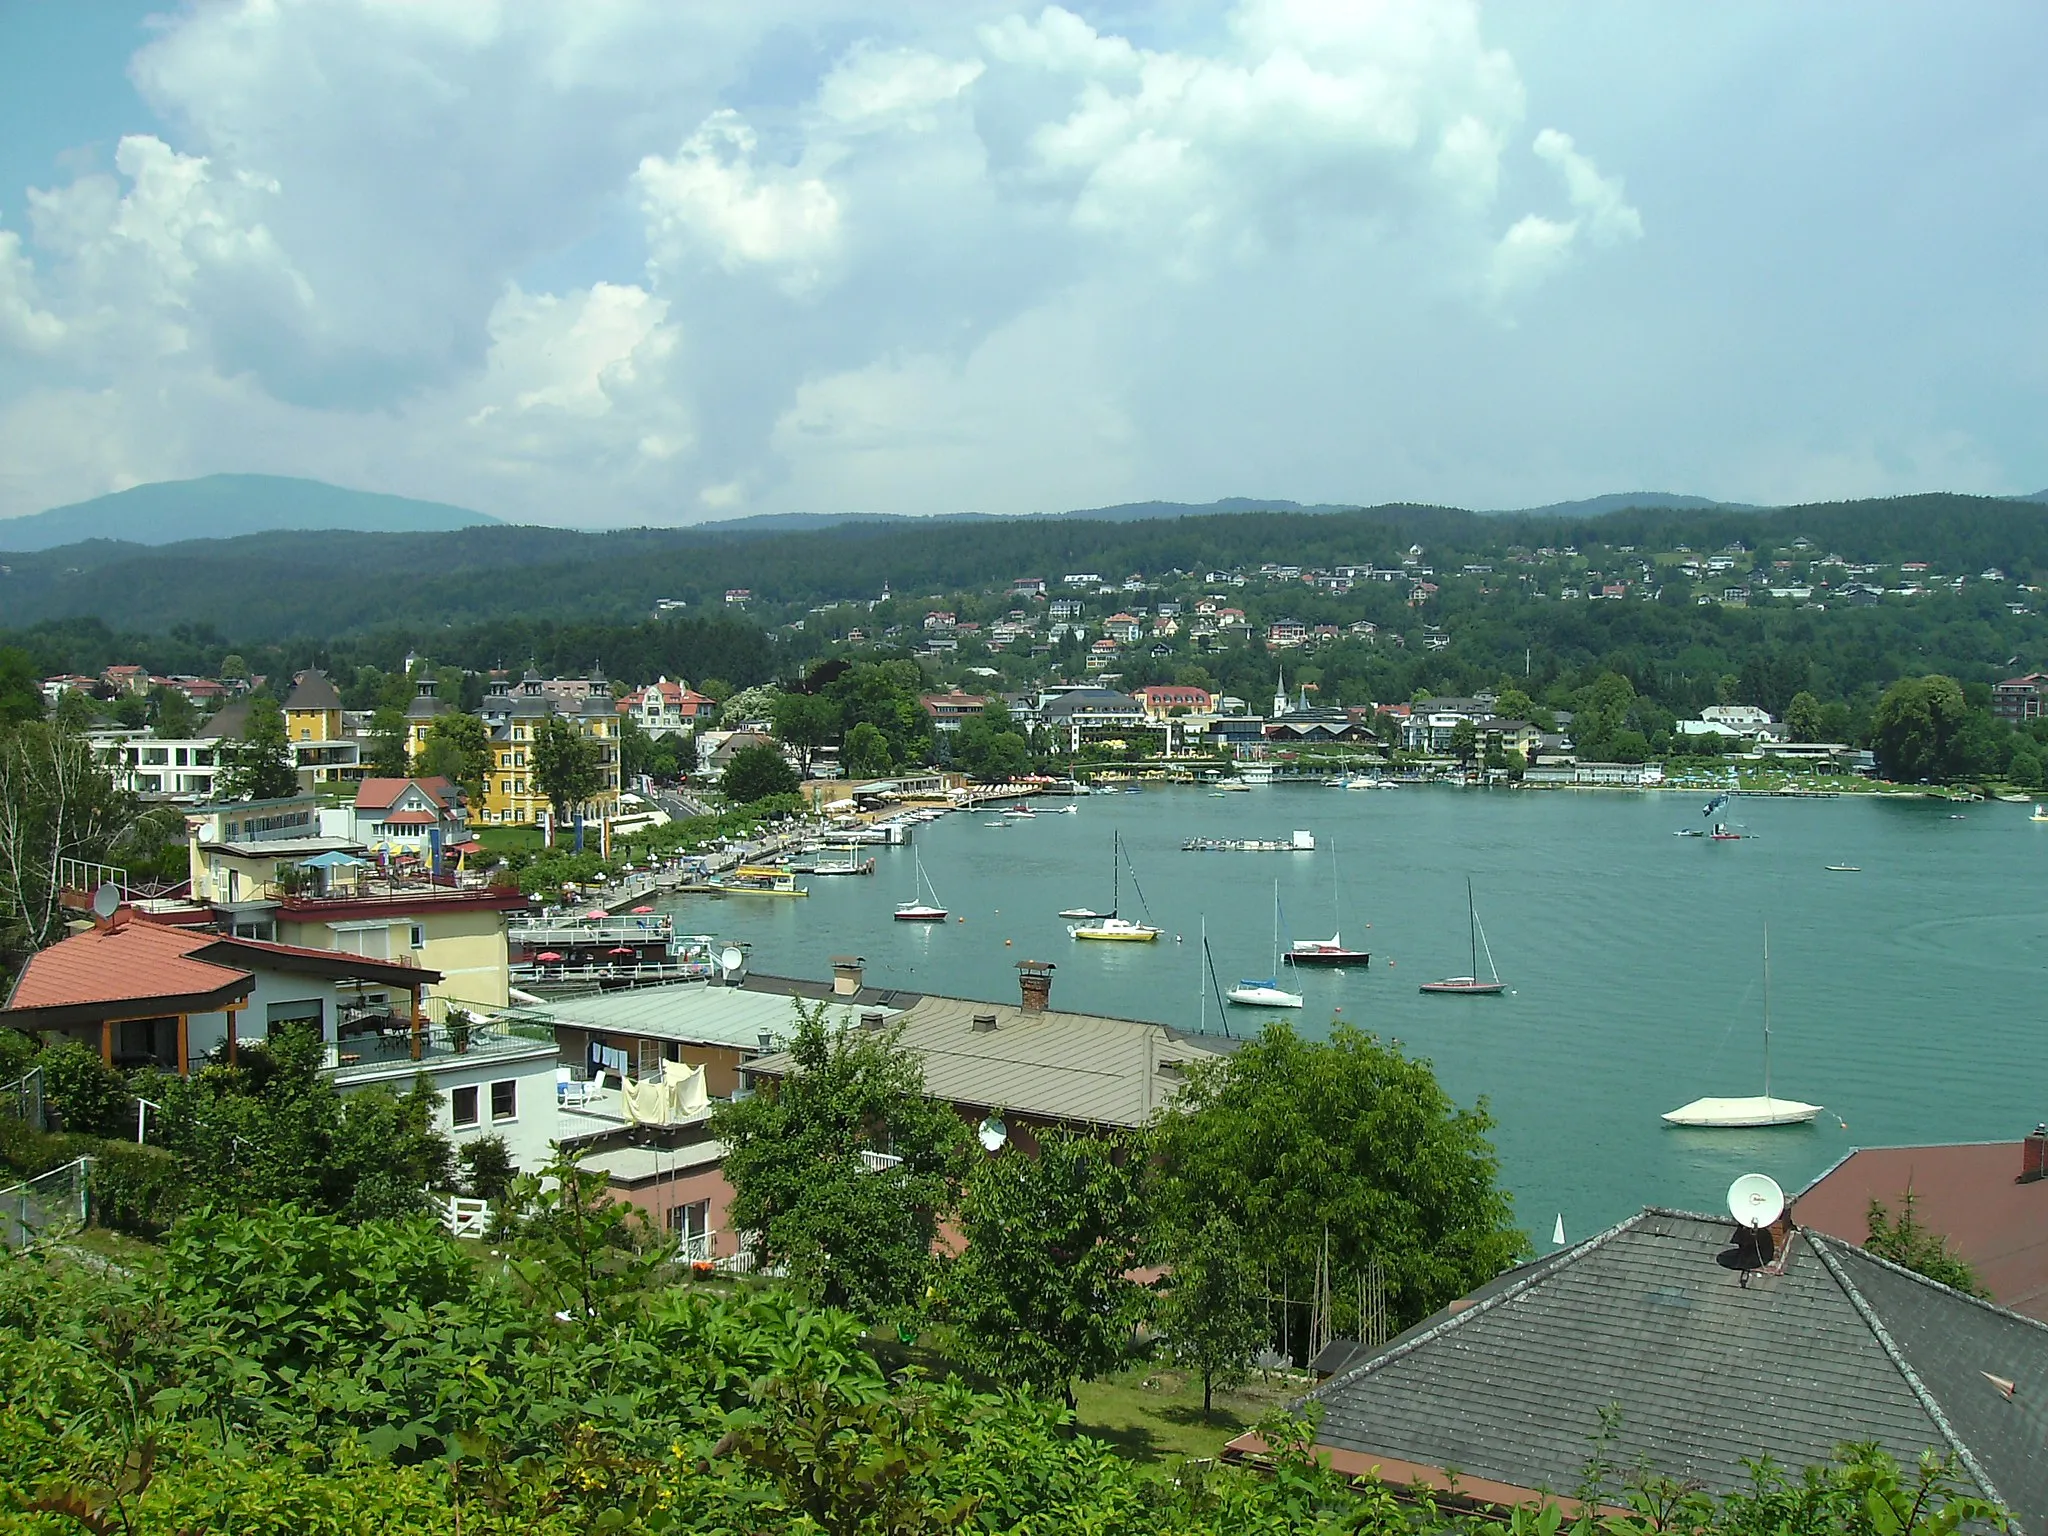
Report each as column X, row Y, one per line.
column 1300, row 842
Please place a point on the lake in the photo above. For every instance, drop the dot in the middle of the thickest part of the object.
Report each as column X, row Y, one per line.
column 1906, row 997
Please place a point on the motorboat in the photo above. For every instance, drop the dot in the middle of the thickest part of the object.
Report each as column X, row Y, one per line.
column 1472, row 985
column 1753, row 1112
column 919, row 911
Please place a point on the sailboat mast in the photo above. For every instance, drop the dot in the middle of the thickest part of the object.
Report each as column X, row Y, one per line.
column 1201, row 988
column 1472, row 924
column 1767, row 1011
column 1116, row 873
column 1276, row 931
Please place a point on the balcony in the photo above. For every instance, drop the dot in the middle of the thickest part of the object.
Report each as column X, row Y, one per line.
column 371, row 1044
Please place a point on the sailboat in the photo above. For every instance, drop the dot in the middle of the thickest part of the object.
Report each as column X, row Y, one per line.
column 1471, row 985
column 915, row 911
column 1266, row 993
column 1330, row 951
column 1089, row 914
column 1749, row 1113
column 1108, row 926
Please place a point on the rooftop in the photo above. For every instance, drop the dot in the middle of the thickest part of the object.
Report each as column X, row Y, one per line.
column 696, row 1012
column 1710, row 1366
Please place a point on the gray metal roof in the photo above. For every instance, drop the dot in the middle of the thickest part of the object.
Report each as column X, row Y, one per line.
column 1078, row 1067
column 1839, row 1346
column 694, row 1012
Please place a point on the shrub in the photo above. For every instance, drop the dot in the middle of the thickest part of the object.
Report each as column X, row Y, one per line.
column 84, row 1095
column 134, row 1189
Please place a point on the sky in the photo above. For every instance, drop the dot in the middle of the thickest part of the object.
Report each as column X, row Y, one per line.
column 629, row 261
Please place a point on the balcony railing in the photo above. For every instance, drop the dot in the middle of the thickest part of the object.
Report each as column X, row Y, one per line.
column 437, row 1042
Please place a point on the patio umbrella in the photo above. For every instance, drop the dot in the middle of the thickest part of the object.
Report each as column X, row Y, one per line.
column 597, row 912
column 641, row 911
column 333, row 859
column 547, row 957
column 623, row 949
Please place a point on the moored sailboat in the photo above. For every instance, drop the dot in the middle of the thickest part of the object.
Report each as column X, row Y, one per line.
column 1109, row 927
column 917, row 911
column 1472, row 985
column 1753, row 1112
column 1267, row 992
column 1330, row 951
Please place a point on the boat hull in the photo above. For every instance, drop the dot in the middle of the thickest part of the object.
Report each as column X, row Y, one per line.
column 1358, row 957
column 1132, row 933
column 1741, row 1114
column 920, row 914
column 1085, row 915
column 1464, row 986
column 1263, row 997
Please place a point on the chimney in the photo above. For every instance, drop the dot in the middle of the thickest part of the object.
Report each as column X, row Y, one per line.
column 873, row 1020
column 984, row 1023
column 846, row 975
column 2034, row 1156
column 1035, row 979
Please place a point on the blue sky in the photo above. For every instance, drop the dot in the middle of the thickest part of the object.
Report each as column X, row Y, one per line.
column 646, row 262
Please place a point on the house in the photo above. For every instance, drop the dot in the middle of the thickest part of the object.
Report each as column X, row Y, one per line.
column 159, row 768
column 312, row 710
column 947, row 710
column 665, row 708
column 733, row 743
column 147, row 993
column 513, row 718
column 1692, row 1355
column 1123, row 628
column 1988, row 1199
column 1161, row 699
column 1286, row 632
column 738, row 597
column 1028, row 586
column 420, row 817
column 2020, row 699
column 1090, row 714
column 1746, row 718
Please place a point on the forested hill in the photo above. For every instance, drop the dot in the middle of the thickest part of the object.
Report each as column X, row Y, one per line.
column 223, row 506
column 329, row 584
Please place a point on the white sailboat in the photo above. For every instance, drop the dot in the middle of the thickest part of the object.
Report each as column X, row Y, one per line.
column 1108, row 927
column 1473, row 985
column 1748, row 1113
column 1330, row 951
column 916, row 911
column 1266, row 992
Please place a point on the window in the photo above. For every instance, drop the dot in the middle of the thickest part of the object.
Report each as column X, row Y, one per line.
column 462, row 1105
column 306, row 1014
column 504, row 1100
column 692, row 1220
column 419, row 937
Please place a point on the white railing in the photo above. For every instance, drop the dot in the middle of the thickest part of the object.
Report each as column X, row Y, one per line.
column 880, row 1162
column 695, row 1247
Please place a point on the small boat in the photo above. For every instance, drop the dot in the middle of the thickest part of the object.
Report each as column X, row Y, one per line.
column 1020, row 812
column 1689, row 832
column 1330, row 951
column 1844, row 869
column 1747, row 1113
column 1266, row 993
column 1471, row 986
column 1723, row 833
column 915, row 911
column 1108, row 927
column 2040, row 813
column 1085, row 914
column 1068, row 810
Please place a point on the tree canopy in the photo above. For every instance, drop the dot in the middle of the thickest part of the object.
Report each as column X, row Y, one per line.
column 259, row 766
column 757, row 773
column 565, row 765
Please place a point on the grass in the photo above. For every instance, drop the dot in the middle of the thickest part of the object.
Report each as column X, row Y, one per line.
column 1153, row 1415
column 117, row 1248
column 509, row 839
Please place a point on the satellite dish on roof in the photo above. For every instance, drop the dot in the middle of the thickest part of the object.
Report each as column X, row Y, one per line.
column 731, row 960
column 1755, row 1200
column 106, row 901
column 992, row 1134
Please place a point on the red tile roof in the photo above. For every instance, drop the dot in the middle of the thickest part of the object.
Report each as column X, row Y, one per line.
column 376, row 794
column 1968, row 1193
column 134, row 963
column 409, row 819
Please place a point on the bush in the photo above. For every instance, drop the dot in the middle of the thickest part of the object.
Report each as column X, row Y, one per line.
column 487, row 1169
column 134, row 1189
column 82, row 1094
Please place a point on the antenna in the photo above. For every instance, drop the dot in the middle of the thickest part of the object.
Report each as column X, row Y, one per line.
column 106, row 901
column 992, row 1134
column 1755, row 1200
column 731, row 960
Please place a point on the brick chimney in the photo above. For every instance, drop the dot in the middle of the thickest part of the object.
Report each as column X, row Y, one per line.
column 1035, row 979
column 2034, row 1156
column 846, row 975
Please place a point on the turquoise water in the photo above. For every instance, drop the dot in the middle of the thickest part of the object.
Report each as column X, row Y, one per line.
column 1905, row 998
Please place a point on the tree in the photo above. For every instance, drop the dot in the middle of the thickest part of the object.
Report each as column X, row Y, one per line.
column 1042, row 1294
column 172, row 715
column 1214, row 1312
column 1465, row 741
column 457, row 747
column 889, row 696
column 749, row 706
column 757, row 772
column 858, row 1238
column 233, row 667
column 1803, row 717
column 866, row 753
column 1915, row 727
column 1289, row 1137
column 989, row 746
column 806, row 721
column 21, row 691
column 56, row 803
column 565, row 765
column 1903, row 1240
column 259, row 766
column 386, row 743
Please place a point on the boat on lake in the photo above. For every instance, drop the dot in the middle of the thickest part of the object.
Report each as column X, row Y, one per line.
column 1266, row 992
column 1753, row 1112
column 1472, row 985
column 1844, row 869
column 2040, row 813
column 919, row 911
column 1330, row 951
column 1108, row 927
column 756, row 880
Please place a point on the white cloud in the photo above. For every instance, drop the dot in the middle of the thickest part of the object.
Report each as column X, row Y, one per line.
column 578, row 262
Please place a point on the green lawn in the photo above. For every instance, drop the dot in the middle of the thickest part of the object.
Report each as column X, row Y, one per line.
column 509, row 839
column 1153, row 1415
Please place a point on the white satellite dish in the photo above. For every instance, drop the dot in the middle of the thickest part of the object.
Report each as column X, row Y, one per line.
column 106, row 901
column 731, row 960
column 993, row 1134
column 1755, row 1200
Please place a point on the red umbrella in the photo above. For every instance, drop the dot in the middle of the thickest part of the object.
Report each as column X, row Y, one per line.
column 547, row 957
column 639, row 910
column 597, row 912
column 621, row 950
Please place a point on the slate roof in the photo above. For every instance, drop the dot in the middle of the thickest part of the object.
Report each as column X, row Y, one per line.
column 1830, row 1345
column 695, row 1013
column 1968, row 1192
column 1079, row 1068
column 312, row 690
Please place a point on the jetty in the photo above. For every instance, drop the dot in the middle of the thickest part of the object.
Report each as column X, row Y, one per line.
column 1300, row 842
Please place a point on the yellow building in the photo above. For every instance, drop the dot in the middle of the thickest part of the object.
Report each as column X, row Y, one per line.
column 513, row 715
column 312, row 710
